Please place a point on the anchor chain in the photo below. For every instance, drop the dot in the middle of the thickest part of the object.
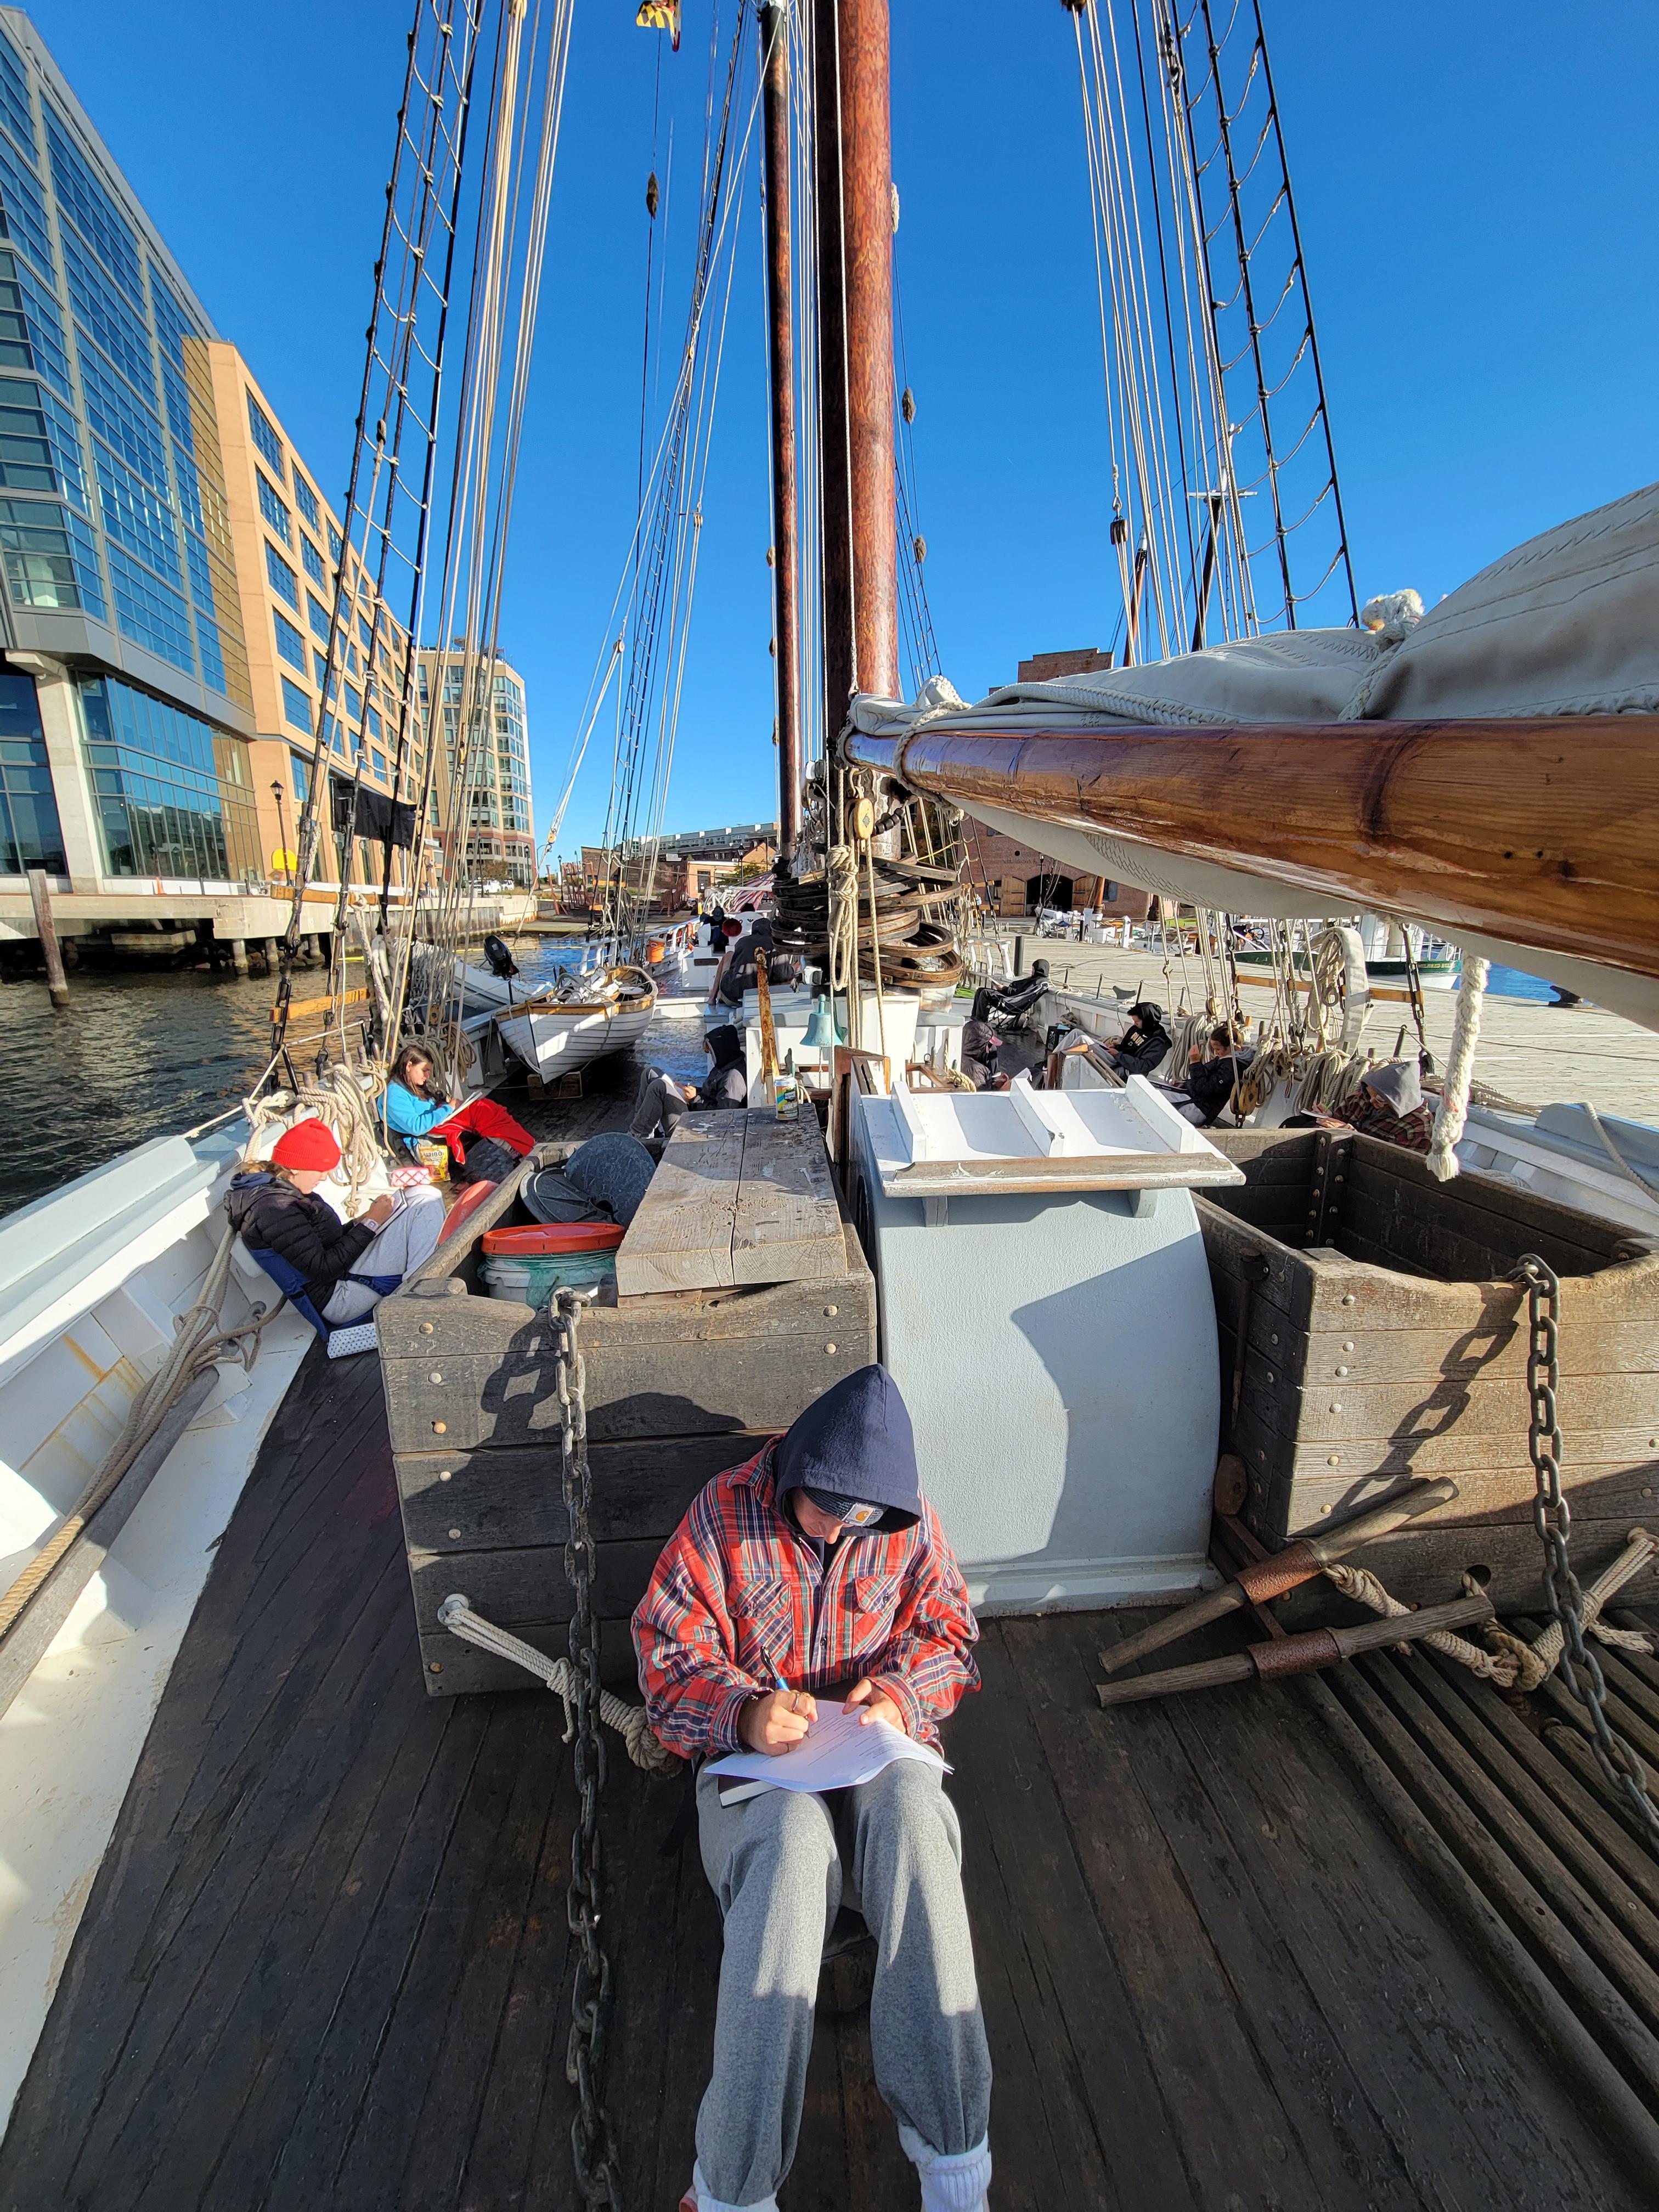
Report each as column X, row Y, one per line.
column 1553, row 1517
column 593, row 2146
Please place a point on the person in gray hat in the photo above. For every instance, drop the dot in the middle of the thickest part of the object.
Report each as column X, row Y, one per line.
column 1389, row 1104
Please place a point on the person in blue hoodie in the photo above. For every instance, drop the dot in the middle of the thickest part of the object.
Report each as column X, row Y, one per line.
column 815, row 1576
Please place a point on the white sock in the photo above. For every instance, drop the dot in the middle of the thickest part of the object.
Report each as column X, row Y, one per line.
column 954, row 2184
column 708, row 2202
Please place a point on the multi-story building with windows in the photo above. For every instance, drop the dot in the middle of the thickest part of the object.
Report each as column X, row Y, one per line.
column 491, row 823
column 170, row 564
column 127, row 702
column 289, row 546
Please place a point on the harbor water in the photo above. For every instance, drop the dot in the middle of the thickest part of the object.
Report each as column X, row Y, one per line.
column 156, row 1052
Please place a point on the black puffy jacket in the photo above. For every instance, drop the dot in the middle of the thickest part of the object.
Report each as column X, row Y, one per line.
column 269, row 1213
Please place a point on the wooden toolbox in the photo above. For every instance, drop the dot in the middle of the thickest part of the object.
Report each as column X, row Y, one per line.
column 1368, row 1334
column 679, row 1385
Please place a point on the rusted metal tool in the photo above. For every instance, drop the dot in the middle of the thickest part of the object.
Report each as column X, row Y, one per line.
column 1298, row 1655
column 1272, row 1578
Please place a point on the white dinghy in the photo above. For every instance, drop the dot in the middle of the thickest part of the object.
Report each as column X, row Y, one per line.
column 579, row 1019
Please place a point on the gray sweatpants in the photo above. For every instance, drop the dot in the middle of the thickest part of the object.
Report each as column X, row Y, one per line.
column 409, row 1238
column 778, row 1863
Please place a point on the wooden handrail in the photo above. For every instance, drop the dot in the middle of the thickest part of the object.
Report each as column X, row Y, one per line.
column 1540, row 832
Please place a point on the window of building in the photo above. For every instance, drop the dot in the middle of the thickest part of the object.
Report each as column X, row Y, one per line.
column 263, row 431
column 83, row 197
column 174, row 797
column 113, row 324
column 379, row 759
column 336, row 545
column 147, row 610
column 134, row 516
column 312, row 559
column 26, row 210
column 367, row 635
column 30, row 835
column 282, row 580
column 120, row 419
column 351, row 658
column 290, row 643
column 40, row 564
column 296, row 704
column 26, row 462
column 273, row 510
column 300, row 775
column 305, row 500
column 46, row 328
column 354, row 703
column 319, row 664
column 372, row 723
column 15, row 117
column 317, row 614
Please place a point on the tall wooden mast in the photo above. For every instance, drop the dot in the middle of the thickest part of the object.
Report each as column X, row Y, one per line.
column 779, row 282
column 854, row 194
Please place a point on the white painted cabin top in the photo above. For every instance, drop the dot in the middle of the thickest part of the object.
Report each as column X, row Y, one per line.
column 933, row 1144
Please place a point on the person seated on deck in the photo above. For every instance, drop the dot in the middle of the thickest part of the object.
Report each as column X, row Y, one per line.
column 1389, row 1104
column 662, row 1101
column 817, row 1572
column 1212, row 1072
column 735, row 977
column 483, row 1139
column 1145, row 1045
column 1012, row 1002
column 273, row 1208
column 980, row 1045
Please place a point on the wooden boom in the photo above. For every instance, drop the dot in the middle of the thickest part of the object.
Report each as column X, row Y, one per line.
column 1540, row 832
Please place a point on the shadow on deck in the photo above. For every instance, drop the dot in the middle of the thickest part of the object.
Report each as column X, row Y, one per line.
column 325, row 1964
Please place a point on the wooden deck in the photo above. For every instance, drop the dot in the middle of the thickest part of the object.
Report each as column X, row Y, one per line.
column 325, row 1963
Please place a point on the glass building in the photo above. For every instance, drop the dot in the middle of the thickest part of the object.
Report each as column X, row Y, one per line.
column 114, row 533
column 500, row 844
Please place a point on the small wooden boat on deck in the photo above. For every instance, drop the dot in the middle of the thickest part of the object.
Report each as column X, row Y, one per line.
column 579, row 1019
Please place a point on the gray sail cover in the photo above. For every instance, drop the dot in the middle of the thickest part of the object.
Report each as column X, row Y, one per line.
column 1566, row 625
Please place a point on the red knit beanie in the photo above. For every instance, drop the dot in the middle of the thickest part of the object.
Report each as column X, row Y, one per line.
column 307, row 1145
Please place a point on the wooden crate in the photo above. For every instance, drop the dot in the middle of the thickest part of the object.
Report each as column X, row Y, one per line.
column 1380, row 1341
column 679, row 1385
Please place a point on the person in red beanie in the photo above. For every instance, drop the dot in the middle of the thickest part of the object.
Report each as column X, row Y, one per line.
column 273, row 1206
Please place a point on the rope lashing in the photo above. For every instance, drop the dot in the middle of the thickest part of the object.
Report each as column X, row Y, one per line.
column 631, row 1722
column 1363, row 1587
column 1453, row 1111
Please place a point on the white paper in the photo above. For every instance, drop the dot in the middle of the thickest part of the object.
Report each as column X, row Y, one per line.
column 838, row 1751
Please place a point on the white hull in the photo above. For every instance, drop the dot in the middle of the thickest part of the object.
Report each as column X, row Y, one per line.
column 91, row 1281
column 558, row 1040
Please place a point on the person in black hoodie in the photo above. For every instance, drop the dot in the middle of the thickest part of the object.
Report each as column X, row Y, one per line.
column 1145, row 1045
column 662, row 1101
column 273, row 1207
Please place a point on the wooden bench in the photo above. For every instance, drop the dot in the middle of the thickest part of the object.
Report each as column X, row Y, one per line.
column 739, row 1197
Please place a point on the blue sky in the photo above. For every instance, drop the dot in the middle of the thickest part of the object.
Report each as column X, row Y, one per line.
column 1475, row 194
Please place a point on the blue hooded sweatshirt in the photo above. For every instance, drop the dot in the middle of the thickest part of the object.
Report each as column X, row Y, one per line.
column 857, row 1441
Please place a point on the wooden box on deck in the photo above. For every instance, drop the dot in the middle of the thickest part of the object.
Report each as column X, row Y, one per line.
column 1382, row 1341
column 679, row 1385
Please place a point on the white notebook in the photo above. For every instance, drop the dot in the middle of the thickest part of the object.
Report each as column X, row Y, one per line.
column 837, row 1752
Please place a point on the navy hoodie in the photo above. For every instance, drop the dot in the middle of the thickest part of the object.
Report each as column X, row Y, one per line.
column 856, row 1440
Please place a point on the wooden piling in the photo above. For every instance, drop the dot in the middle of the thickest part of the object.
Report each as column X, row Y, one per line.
column 56, row 981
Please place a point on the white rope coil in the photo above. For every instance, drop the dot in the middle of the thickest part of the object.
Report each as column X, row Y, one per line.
column 1453, row 1111
column 631, row 1722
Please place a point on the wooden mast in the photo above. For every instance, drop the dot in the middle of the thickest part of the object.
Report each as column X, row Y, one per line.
column 854, row 195
column 780, row 282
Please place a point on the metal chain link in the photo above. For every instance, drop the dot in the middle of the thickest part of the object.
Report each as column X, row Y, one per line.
column 593, row 2146
column 1553, row 1517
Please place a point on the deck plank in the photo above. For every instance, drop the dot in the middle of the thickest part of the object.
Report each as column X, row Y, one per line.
column 788, row 1225
column 325, row 1959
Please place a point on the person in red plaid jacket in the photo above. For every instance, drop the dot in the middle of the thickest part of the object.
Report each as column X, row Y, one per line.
column 817, row 1572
